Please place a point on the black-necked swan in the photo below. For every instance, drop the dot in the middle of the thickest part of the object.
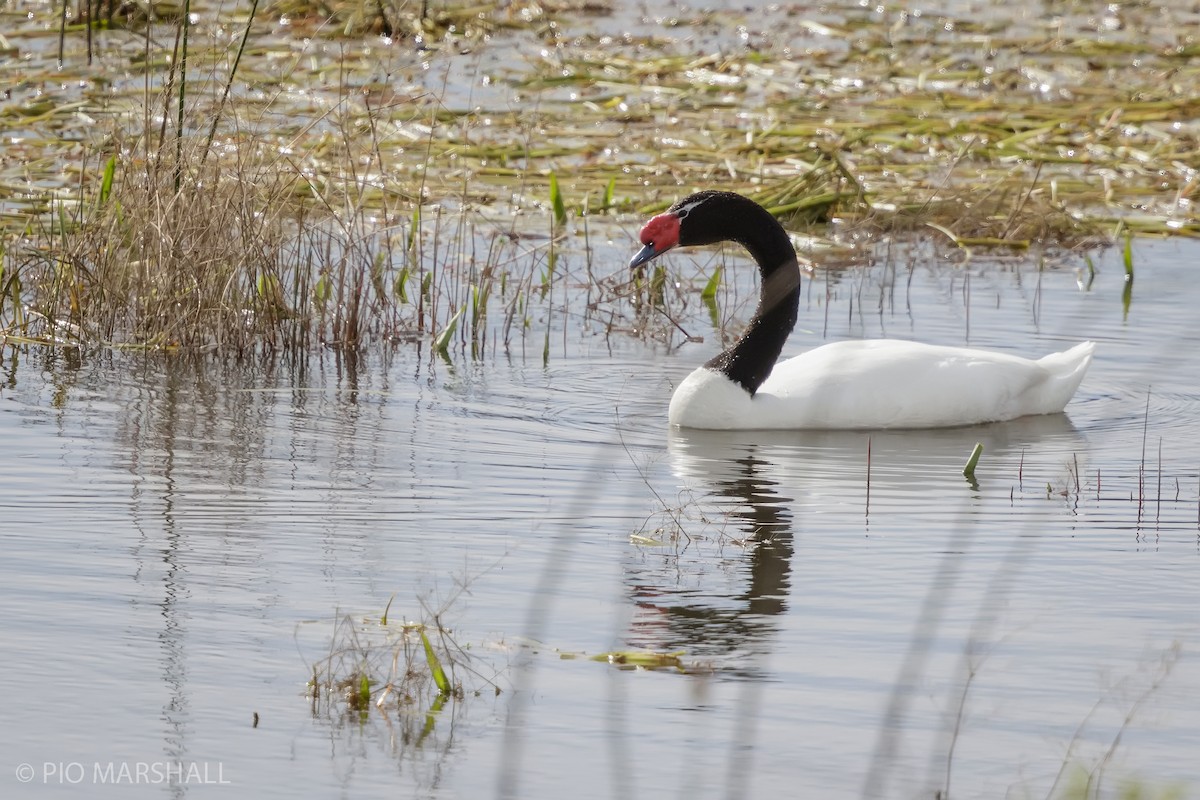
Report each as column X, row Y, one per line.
column 876, row 383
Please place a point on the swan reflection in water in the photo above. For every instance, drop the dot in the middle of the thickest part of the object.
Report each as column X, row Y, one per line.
column 673, row 612
column 769, row 485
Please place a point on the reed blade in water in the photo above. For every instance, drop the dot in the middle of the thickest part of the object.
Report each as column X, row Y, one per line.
column 556, row 201
column 442, row 343
column 435, row 665
column 972, row 462
column 106, row 182
column 710, row 288
column 400, row 285
column 608, row 194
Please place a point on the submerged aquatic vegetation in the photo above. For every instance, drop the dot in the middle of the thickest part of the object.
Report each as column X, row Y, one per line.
column 406, row 667
column 306, row 181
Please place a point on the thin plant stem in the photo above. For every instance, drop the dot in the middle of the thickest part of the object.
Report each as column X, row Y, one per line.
column 867, row 510
column 183, row 53
column 237, row 59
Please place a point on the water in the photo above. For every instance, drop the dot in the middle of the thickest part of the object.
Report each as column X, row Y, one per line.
column 180, row 537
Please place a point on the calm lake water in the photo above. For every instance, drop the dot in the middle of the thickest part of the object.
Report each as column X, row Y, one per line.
column 181, row 536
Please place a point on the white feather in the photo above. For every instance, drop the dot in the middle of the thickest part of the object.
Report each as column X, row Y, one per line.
column 884, row 383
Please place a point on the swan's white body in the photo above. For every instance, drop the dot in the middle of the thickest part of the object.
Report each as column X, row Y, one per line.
column 884, row 384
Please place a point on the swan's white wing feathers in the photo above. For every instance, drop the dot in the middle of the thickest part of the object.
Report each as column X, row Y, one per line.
column 885, row 384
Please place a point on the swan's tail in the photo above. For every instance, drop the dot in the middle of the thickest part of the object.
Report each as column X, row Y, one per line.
column 1065, row 371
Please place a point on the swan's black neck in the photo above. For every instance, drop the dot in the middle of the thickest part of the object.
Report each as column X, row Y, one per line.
column 724, row 216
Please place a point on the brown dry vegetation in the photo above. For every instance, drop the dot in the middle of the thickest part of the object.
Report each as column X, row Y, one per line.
column 352, row 172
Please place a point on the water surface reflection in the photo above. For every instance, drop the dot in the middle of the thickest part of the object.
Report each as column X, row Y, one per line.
column 180, row 533
column 674, row 616
column 755, row 482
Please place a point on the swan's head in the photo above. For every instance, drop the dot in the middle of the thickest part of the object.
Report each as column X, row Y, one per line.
column 700, row 218
column 659, row 235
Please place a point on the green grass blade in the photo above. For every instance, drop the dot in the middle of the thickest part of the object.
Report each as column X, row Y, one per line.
column 714, row 313
column 479, row 301
column 110, row 169
column 322, row 291
column 608, row 194
column 710, row 288
column 442, row 343
column 400, row 286
column 973, row 461
column 556, row 200
column 435, row 665
column 410, row 245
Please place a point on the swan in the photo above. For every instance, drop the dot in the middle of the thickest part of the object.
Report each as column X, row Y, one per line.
column 866, row 384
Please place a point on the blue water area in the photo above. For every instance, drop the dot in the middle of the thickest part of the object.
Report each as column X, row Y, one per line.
column 181, row 537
